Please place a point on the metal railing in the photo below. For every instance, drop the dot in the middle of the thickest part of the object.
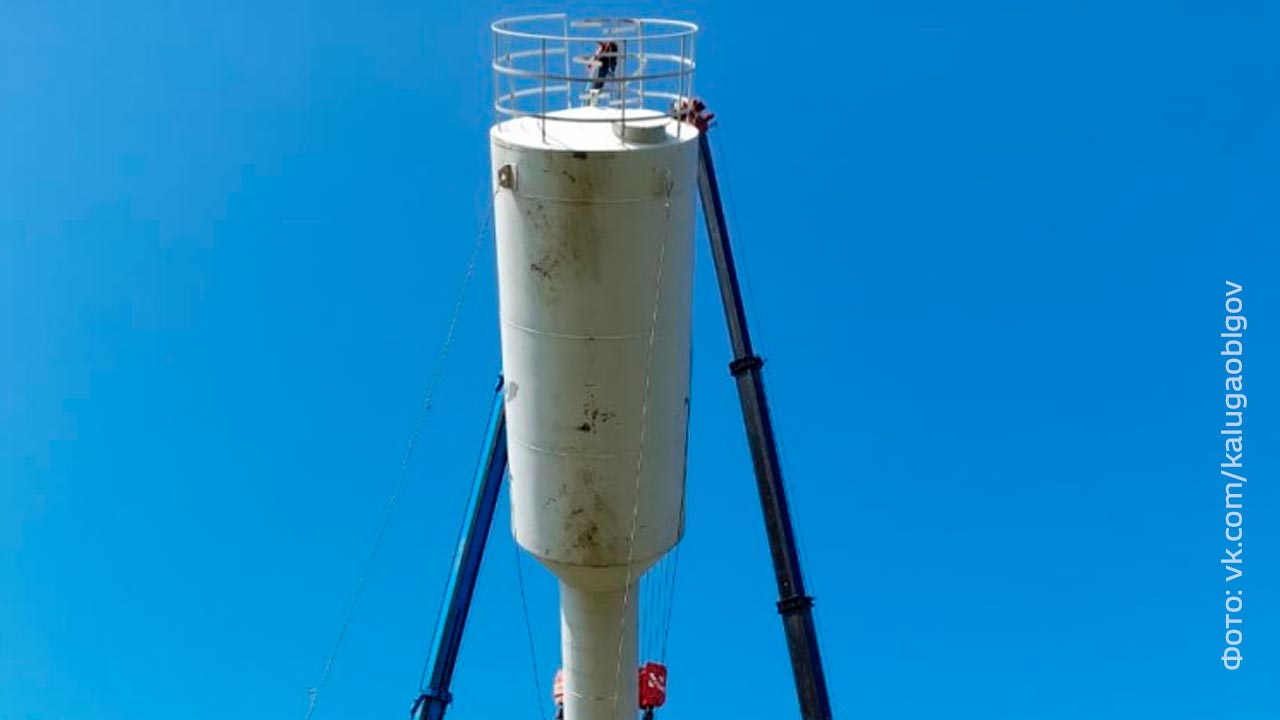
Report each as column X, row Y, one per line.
column 543, row 64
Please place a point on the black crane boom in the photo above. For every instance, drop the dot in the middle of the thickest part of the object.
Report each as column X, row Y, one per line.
column 794, row 604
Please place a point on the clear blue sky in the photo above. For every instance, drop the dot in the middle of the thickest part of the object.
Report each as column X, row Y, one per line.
column 986, row 245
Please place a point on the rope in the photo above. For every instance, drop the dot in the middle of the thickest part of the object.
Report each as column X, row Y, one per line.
column 671, row 599
column 649, row 583
column 650, row 605
column 658, row 593
column 313, row 692
column 644, row 412
column 528, row 629
column 657, row 599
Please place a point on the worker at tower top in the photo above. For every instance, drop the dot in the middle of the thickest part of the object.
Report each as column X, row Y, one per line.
column 604, row 64
column 693, row 111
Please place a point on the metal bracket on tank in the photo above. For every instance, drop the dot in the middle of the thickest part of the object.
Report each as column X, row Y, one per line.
column 507, row 177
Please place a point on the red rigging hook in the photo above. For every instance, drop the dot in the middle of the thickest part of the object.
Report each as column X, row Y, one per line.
column 653, row 686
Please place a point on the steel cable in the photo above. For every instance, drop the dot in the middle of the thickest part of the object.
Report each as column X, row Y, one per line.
column 644, row 412
column 434, row 381
column 528, row 629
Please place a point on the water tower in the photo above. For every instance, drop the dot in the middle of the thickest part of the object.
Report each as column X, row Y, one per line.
column 595, row 192
column 600, row 154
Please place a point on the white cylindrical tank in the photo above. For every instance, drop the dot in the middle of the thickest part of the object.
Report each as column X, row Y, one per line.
column 594, row 206
column 595, row 259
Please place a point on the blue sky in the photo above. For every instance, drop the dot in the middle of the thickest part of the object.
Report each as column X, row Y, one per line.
column 986, row 247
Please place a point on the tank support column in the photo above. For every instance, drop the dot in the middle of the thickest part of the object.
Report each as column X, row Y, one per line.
column 794, row 604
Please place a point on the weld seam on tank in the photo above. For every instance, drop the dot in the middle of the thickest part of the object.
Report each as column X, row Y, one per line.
column 567, row 336
column 570, row 453
column 586, row 201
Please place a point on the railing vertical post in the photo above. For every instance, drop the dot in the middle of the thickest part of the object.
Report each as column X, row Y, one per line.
column 693, row 65
column 642, row 63
column 622, row 95
column 511, row 79
column 542, row 81
column 568, row 70
column 680, row 95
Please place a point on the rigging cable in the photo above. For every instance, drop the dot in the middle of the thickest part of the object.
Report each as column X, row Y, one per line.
column 671, row 597
column 644, row 412
column 313, row 692
column 528, row 629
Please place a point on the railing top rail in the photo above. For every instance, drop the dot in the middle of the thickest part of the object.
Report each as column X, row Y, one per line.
column 545, row 64
column 613, row 28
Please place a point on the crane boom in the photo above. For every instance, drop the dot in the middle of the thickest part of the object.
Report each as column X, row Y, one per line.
column 795, row 606
column 435, row 697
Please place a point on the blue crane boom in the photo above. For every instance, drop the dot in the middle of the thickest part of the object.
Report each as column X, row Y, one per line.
column 435, row 697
